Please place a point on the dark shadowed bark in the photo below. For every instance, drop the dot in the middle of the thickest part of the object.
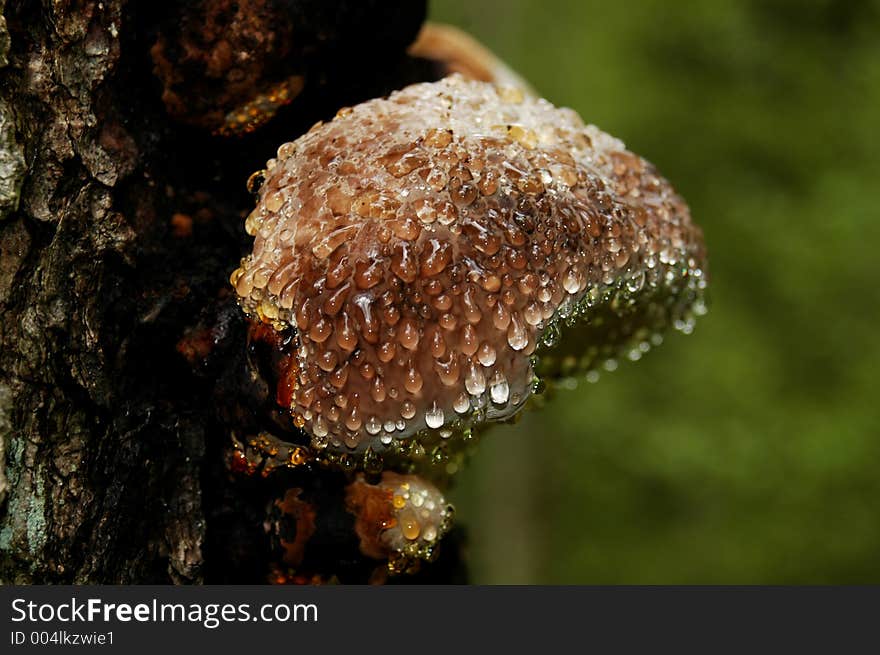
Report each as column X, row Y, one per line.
column 121, row 206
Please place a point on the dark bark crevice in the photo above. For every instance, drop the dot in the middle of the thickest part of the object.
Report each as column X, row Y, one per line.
column 111, row 442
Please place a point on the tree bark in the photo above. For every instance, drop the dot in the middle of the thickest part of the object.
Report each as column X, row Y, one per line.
column 120, row 221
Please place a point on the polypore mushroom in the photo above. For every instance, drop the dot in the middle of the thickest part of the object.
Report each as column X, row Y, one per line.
column 424, row 247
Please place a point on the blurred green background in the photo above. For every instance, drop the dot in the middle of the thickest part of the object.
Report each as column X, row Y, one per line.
column 748, row 452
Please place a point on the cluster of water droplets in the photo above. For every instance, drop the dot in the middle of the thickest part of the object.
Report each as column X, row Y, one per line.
column 430, row 247
column 621, row 320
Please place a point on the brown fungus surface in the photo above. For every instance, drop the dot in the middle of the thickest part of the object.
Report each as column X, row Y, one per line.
column 426, row 245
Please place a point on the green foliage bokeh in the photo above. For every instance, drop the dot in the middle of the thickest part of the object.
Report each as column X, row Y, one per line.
column 749, row 451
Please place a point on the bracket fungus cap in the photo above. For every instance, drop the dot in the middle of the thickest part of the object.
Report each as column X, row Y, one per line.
column 425, row 245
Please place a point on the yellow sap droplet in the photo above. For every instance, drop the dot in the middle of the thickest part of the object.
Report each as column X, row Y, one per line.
column 410, row 527
column 274, row 202
column 523, row 135
column 511, row 94
column 298, row 457
column 268, row 309
column 398, row 502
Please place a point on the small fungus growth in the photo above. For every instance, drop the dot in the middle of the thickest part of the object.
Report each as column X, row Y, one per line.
column 402, row 518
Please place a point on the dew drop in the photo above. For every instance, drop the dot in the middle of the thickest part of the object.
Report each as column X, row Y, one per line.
column 320, row 331
column 437, row 179
column 373, row 425
column 438, row 344
column 328, row 244
column 448, row 321
column 475, row 380
column 386, row 352
column 377, row 389
column 443, row 302
column 446, row 213
column 425, row 211
column 413, row 381
column 327, row 360
column 434, row 416
column 570, row 281
column 447, row 370
column 436, row 258
column 373, row 462
column 346, row 337
column 636, row 282
column 274, row 201
column 462, row 193
column 437, row 138
column 517, row 336
column 499, row 390
column 488, row 184
column 368, row 274
column 486, row 354
column 469, row 340
column 500, row 316
column 533, row 314
column 472, row 311
column 353, row 421
column 551, row 335
column 408, row 334
column 403, row 263
column 319, row 427
column 339, row 377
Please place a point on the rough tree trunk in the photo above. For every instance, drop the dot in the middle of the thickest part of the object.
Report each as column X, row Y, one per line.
column 118, row 229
